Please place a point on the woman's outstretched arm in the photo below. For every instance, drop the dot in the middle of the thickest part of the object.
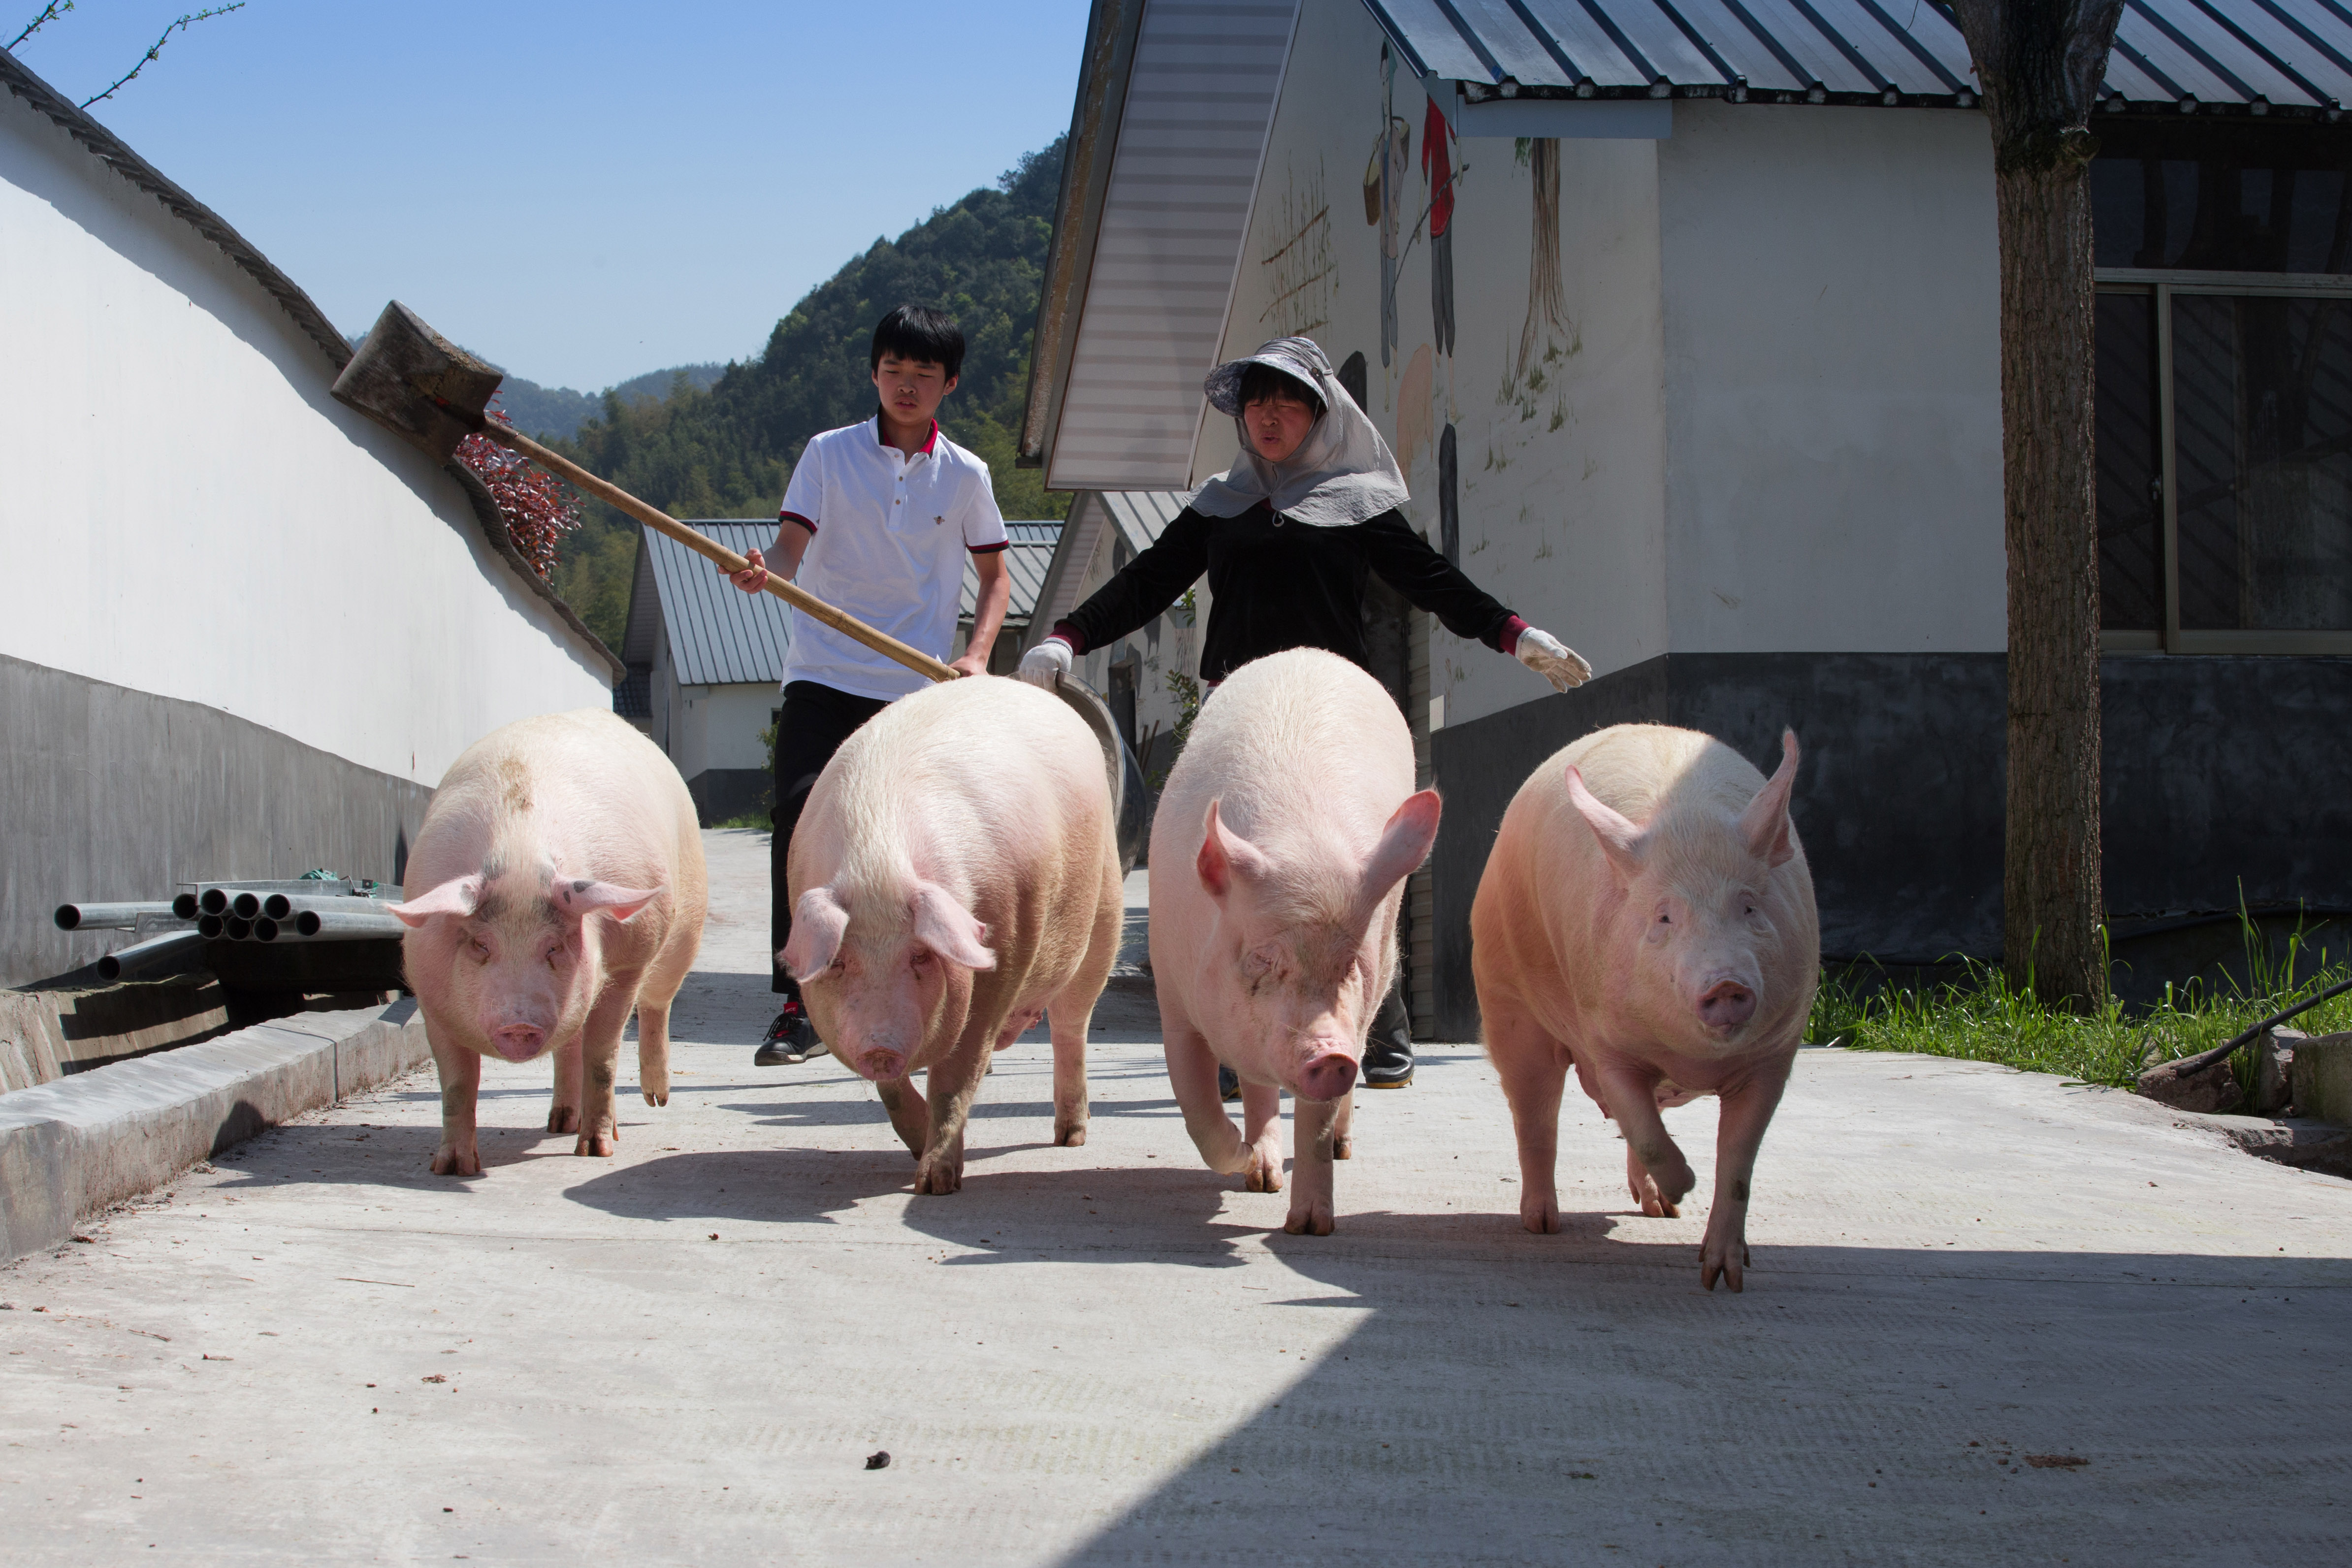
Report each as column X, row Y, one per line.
column 1143, row 587
column 1405, row 560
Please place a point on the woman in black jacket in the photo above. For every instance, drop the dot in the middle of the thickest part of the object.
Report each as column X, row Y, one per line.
column 1286, row 539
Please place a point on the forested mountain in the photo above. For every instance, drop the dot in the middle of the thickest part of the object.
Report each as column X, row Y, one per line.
column 561, row 412
column 727, row 452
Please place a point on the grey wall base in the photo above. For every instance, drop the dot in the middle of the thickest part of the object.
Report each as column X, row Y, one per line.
column 722, row 794
column 117, row 794
column 69, row 1149
column 2210, row 787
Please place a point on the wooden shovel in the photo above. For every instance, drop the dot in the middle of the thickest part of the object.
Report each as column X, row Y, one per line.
column 416, row 383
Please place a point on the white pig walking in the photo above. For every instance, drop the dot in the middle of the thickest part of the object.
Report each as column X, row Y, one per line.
column 1646, row 915
column 1278, row 854
column 954, row 876
column 562, row 888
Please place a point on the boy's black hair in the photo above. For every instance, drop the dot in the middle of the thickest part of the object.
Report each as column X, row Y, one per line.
column 920, row 333
column 1262, row 381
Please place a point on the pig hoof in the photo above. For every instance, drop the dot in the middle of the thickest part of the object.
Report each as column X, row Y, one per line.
column 1728, row 1263
column 1342, row 1148
column 654, row 1099
column 1313, row 1220
column 1069, row 1137
column 451, row 1161
column 1263, row 1173
column 1540, row 1219
column 563, row 1119
column 937, row 1176
column 602, row 1145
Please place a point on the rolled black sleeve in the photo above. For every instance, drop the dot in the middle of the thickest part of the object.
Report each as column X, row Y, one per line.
column 1146, row 585
column 1405, row 560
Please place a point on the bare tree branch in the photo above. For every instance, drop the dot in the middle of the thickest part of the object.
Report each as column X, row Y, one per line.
column 50, row 13
column 205, row 16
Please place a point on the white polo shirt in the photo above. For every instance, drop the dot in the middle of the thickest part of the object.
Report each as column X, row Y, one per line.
column 888, row 536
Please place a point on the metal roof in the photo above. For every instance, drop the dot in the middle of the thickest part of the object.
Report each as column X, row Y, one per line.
column 1144, row 268
column 2289, row 56
column 1026, row 559
column 1137, row 516
column 719, row 634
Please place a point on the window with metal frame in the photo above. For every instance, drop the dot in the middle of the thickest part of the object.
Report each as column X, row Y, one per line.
column 2224, row 327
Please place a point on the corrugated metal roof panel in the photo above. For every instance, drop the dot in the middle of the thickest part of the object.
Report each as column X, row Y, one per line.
column 719, row 636
column 2292, row 56
column 1027, row 560
column 1191, row 135
column 1141, row 514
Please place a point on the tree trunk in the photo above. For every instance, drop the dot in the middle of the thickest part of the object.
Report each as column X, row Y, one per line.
column 2051, row 901
column 2039, row 63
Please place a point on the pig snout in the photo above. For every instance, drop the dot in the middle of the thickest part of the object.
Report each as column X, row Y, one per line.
column 1726, row 1004
column 518, row 1041
column 1327, row 1076
column 881, row 1065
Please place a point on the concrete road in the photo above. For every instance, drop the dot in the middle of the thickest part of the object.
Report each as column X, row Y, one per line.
column 318, row 1351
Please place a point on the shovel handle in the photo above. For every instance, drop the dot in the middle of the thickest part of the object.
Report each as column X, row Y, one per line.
column 726, row 559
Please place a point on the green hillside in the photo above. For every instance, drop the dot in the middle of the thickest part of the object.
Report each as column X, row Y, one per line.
column 545, row 411
column 727, row 452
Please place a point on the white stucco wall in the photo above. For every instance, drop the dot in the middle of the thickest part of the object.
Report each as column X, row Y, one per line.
column 718, row 726
column 186, row 511
column 1833, row 380
column 1561, row 467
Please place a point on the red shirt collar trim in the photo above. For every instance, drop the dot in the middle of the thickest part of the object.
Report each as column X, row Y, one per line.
column 928, row 446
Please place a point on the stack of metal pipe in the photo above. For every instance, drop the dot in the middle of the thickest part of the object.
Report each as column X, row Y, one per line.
column 295, row 911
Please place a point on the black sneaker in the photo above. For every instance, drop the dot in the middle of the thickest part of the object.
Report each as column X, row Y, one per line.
column 1229, row 1084
column 790, row 1039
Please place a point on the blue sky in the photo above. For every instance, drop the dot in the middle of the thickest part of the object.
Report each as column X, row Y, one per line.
column 580, row 190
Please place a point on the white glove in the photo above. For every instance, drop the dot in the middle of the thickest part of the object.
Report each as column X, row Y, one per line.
column 1048, row 661
column 1549, row 657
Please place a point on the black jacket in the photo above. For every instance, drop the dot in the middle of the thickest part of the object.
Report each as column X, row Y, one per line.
column 1276, row 584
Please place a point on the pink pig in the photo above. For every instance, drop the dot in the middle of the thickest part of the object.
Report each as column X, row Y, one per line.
column 954, row 877
column 563, row 888
column 1646, row 915
column 1278, row 854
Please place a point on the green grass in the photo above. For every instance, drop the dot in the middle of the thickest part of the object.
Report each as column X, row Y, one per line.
column 1981, row 1018
column 757, row 819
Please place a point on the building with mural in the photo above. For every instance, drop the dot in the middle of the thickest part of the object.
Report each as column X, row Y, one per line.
column 1684, row 326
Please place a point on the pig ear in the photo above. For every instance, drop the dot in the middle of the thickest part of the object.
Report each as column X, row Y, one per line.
column 454, row 896
column 1225, row 855
column 818, row 923
column 1621, row 840
column 949, row 929
column 1404, row 843
column 1764, row 827
column 578, row 898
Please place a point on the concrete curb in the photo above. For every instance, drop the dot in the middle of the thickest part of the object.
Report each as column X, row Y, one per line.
column 70, row 1148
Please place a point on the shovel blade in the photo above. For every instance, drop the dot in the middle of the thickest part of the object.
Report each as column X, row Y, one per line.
column 402, row 368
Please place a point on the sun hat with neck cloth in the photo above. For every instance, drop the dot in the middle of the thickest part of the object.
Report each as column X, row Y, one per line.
column 1343, row 473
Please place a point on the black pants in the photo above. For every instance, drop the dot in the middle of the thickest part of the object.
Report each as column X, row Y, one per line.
column 816, row 720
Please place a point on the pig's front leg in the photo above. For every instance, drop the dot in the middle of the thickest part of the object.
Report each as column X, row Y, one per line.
column 1192, row 1074
column 1262, row 1135
column 563, row 1110
column 461, row 1083
column 653, row 1051
column 1534, row 1072
column 1654, row 1168
column 908, row 1116
column 949, row 1086
column 600, row 1059
column 1314, row 1125
column 1748, row 1108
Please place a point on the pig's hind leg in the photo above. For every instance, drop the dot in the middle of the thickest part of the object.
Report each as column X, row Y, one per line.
column 1071, row 1013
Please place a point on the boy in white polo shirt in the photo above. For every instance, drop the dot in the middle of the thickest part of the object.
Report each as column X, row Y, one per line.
column 877, row 521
